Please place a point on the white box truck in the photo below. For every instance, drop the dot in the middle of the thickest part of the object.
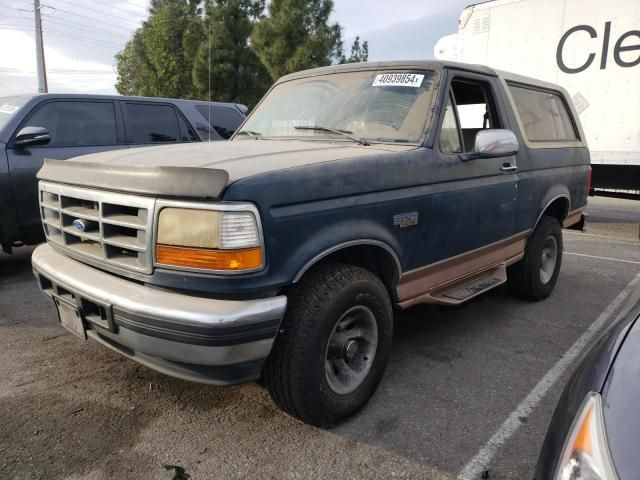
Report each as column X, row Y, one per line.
column 590, row 47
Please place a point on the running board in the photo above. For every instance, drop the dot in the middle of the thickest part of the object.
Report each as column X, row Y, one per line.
column 468, row 288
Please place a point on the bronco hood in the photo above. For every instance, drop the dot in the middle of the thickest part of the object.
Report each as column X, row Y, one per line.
column 197, row 170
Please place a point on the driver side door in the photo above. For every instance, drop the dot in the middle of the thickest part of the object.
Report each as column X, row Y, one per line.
column 76, row 127
column 470, row 203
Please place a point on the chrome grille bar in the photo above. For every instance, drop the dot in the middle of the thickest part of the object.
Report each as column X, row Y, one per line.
column 117, row 227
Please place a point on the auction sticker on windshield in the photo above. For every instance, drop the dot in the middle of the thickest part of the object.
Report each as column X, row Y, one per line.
column 398, row 80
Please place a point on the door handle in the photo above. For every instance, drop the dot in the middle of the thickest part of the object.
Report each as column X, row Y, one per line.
column 508, row 168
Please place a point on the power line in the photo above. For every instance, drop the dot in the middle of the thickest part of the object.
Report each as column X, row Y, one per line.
column 58, row 71
column 144, row 13
column 86, row 39
column 60, row 34
column 133, row 4
column 127, row 29
column 93, row 19
column 16, row 18
column 64, row 21
column 122, row 19
column 15, row 27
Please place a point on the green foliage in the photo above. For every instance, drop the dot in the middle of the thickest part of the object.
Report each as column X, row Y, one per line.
column 132, row 68
column 228, row 50
column 359, row 53
column 226, row 65
column 296, row 35
column 158, row 61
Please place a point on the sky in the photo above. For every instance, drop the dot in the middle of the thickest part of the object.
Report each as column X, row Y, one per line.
column 82, row 36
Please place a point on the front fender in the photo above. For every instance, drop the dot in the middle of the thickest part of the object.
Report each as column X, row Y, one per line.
column 343, row 235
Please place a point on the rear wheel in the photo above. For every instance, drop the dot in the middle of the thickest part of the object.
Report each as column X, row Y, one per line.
column 535, row 276
column 332, row 350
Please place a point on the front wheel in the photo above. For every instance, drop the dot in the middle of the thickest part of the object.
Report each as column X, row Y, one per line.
column 535, row 276
column 333, row 347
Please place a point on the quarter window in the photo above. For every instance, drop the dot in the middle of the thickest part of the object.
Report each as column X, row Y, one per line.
column 224, row 120
column 76, row 124
column 450, row 133
column 151, row 123
column 543, row 114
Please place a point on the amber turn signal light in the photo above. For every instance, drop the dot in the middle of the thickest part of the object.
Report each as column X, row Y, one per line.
column 209, row 259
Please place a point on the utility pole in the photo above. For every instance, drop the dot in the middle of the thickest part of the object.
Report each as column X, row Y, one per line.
column 42, row 69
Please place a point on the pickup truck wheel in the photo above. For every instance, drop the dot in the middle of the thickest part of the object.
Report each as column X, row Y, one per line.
column 333, row 346
column 535, row 276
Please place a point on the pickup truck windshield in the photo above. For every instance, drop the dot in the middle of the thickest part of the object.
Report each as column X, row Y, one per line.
column 376, row 106
column 9, row 106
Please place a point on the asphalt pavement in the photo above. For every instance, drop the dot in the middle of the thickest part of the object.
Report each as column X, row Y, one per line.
column 457, row 376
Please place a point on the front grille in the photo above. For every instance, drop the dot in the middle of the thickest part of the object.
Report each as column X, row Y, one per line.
column 117, row 227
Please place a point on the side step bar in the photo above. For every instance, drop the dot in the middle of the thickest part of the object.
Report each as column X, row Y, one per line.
column 468, row 288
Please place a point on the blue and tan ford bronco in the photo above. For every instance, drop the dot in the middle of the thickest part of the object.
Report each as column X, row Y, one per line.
column 280, row 256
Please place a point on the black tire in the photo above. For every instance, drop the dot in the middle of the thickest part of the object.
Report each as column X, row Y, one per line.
column 525, row 278
column 295, row 373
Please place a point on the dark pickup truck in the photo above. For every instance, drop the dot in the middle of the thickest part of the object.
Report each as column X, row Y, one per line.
column 280, row 255
column 61, row 126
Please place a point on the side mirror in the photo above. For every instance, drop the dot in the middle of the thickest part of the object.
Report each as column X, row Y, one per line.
column 492, row 143
column 32, row 136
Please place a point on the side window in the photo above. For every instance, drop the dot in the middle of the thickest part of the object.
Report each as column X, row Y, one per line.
column 151, row 123
column 186, row 132
column 76, row 124
column 450, row 132
column 543, row 114
column 224, row 120
column 476, row 110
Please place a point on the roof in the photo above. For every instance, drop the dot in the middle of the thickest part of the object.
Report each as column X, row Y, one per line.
column 419, row 65
column 124, row 98
column 389, row 65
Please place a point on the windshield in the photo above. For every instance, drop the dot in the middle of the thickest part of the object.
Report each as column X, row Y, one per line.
column 9, row 106
column 373, row 106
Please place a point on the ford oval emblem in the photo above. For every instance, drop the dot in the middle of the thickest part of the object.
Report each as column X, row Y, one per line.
column 79, row 225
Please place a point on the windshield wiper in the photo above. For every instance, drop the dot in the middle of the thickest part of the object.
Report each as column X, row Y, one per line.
column 344, row 133
column 251, row 133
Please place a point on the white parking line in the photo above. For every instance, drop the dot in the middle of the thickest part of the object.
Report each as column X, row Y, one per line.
column 481, row 460
column 602, row 258
column 613, row 239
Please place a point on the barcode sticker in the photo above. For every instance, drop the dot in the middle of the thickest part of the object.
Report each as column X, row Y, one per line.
column 398, row 80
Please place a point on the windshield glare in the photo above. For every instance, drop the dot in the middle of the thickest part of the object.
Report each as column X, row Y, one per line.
column 9, row 106
column 383, row 106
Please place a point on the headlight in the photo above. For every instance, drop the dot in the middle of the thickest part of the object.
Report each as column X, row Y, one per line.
column 208, row 239
column 585, row 455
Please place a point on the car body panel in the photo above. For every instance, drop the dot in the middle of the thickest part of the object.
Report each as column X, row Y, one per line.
column 592, row 374
column 621, row 406
column 242, row 158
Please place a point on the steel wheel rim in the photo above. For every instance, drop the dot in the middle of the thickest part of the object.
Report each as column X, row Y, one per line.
column 351, row 350
column 548, row 259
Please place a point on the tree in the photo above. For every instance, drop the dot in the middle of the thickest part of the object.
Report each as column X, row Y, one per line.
column 226, row 66
column 131, row 66
column 359, row 53
column 296, row 35
column 158, row 60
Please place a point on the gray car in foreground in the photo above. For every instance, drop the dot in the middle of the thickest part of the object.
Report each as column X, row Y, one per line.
column 594, row 432
column 62, row 126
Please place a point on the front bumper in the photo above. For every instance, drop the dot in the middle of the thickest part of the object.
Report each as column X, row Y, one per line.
column 220, row 342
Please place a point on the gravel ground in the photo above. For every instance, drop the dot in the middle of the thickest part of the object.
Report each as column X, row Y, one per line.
column 75, row 410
